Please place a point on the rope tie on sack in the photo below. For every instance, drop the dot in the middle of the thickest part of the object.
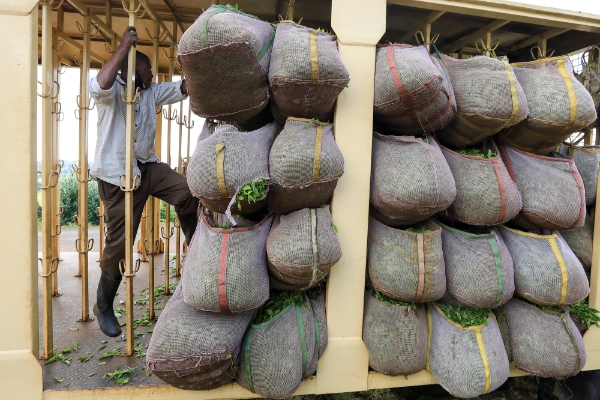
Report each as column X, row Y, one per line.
column 578, row 351
column 220, row 164
column 421, row 261
column 314, row 57
column 484, row 48
column 222, row 282
column 317, row 154
column 315, row 249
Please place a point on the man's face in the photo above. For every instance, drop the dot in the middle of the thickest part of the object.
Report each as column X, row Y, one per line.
column 143, row 71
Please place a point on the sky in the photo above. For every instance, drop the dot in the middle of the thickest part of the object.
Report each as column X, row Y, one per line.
column 585, row 6
column 69, row 127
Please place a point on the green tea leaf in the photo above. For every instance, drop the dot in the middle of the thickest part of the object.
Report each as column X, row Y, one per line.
column 252, row 191
column 393, row 302
column 476, row 152
column 277, row 303
column 587, row 315
column 111, row 353
column 465, row 316
column 59, row 380
column 418, row 229
column 85, row 358
column 76, row 328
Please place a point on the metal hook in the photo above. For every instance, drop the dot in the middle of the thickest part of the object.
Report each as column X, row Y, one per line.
column 136, row 98
column 57, row 230
column 61, row 211
column 50, row 185
column 90, row 246
column 484, row 48
column 77, row 171
column 49, row 94
column 63, row 67
column 162, row 232
column 57, row 109
column 76, row 220
column 136, row 183
column 130, row 11
column 176, row 223
column 108, row 48
column 159, row 110
column 187, row 125
column 173, row 115
column 93, row 26
column 53, row 267
column 168, row 56
column 540, row 55
column 136, row 268
column 87, row 107
column 76, row 61
column 152, row 251
column 58, row 6
column 58, row 44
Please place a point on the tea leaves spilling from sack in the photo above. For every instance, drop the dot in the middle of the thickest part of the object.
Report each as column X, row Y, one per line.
column 465, row 316
column 276, row 304
column 253, row 191
column 418, row 229
column 587, row 315
column 476, row 152
column 393, row 302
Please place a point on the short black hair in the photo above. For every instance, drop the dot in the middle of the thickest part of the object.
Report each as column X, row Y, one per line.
column 138, row 57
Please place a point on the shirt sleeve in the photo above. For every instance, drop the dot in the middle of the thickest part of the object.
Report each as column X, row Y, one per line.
column 101, row 95
column 168, row 93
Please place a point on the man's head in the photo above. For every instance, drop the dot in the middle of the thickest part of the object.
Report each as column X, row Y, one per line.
column 143, row 70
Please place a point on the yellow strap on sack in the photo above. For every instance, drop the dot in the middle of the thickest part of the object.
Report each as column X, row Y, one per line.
column 317, row 154
column 221, row 169
column 513, row 92
column 571, row 92
column 563, row 270
column 484, row 359
column 421, row 261
column 314, row 57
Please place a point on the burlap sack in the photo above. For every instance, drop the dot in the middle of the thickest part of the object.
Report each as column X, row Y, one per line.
column 488, row 98
column 193, row 349
column 225, row 270
column 227, row 160
column 546, row 270
column 410, row 179
column 581, row 241
column 412, row 96
column 485, row 192
column 305, row 164
column 587, row 160
column 302, row 246
column 467, row 362
column 306, row 73
column 317, row 303
column 479, row 268
column 558, row 105
column 405, row 265
column 225, row 58
column 551, row 189
column 396, row 338
column 278, row 354
column 543, row 343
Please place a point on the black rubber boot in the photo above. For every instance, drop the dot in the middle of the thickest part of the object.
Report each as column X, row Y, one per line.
column 103, row 309
column 188, row 224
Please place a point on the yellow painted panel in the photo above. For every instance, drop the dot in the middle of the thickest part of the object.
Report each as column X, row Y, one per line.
column 358, row 22
column 343, row 367
column 20, row 375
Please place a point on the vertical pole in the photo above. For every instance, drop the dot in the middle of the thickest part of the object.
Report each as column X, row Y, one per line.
column 159, row 78
column 48, row 178
column 543, row 45
column 487, row 39
column 82, row 170
column 180, row 170
column 461, row 53
column 428, row 37
column 344, row 366
column 129, row 186
column 55, row 162
column 167, row 229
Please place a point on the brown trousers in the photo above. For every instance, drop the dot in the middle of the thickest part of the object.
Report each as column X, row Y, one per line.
column 158, row 180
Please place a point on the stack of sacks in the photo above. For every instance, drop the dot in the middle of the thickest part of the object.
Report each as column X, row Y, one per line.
column 558, row 105
column 225, row 57
column 306, row 73
column 413, row 94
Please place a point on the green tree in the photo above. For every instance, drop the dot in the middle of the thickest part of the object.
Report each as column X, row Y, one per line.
column 68, row 199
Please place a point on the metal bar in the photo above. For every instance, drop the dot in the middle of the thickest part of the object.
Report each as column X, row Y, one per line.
column 82, row 170
column 150, row 10
column 48, row 178
column 180, row 122
column 492, row 26
column 534, row 39
column 157, row 141
column 77, row 45
column 129, row 187
column 55, row 161
column 151, row 229
column 433, row 16
column 428, row 37
column 103, row 27
column 488, row 43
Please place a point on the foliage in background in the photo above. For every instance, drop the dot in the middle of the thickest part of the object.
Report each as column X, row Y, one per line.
column 163, row 212
column 68, row 199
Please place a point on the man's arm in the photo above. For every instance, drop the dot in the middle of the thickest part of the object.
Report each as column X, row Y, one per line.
column 108, row 73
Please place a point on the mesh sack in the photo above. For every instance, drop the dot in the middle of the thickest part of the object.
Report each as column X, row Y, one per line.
column 208, row 128
column 305, row 164
column 546, row 270
column 226, row 269
column 551, row 189
column 193, row 349
column 488, row 97
column 467, row 362
column 306, row 73
column 558, row 105
column 479, row 268
column 485, row 192
column 278, row 354
column 412, row 95
column 321, row 332
column 581, row 241
column 410, row 179
column 396, row 338
column 227, row 160
column 543, row 343
column 405, row 265
column 225, row 56
column 587, row 160
column 302, row 246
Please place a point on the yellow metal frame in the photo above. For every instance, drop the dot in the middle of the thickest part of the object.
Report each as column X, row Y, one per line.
column 359, row 25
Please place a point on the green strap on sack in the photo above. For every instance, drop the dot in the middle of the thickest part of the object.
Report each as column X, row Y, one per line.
column 496, row 252
column 302, row 338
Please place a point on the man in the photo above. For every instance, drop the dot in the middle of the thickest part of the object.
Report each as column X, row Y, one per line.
column 156, row 178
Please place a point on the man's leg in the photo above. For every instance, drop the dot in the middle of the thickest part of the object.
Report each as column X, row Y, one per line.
column 172, row 187
column 114, row 251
